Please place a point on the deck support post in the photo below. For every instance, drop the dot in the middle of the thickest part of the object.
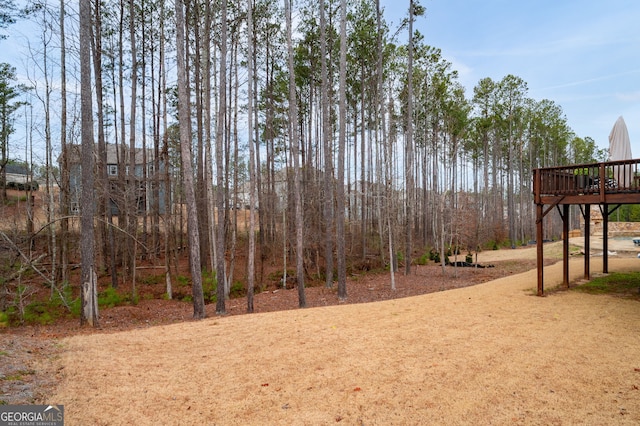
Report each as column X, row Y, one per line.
column 565, row 245
column 605, row 238
column 587, row 241
column 539, row 249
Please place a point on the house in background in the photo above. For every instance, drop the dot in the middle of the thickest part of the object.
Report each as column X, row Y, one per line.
column 148, row 181
column 17, row 176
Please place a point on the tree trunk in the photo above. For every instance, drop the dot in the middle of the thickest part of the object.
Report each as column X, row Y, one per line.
column 143, row 186
column 105, row 207
column 61, row 274
column 220, row 202
column 200, row 38
column 409, row 150
column 236, row 161
column 252, row 166
column 342, row 143
column 133, row 188
column 388, row 155
column 89, row 290
column 294, row 143
column 187, row 168
column 327, row 203
column 124, row 208
column 208, row 173
column 168, row 193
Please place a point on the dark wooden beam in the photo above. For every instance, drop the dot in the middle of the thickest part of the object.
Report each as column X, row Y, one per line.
column 539, row 249
column 618, row 198
column 587, row 241
column 605, row 239
column 565, row 245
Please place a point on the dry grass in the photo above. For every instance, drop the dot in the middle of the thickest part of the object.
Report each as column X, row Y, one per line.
column 488, row 354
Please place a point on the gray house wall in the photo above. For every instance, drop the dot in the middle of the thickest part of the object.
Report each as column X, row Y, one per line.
column 144, row 193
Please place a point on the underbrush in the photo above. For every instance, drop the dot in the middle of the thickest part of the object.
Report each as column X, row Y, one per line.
column 26, row 308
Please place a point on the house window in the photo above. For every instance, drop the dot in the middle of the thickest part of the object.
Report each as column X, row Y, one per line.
column 112, row 169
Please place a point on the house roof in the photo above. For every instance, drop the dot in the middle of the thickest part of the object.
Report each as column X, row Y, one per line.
column 16, row 169
column 113, row 154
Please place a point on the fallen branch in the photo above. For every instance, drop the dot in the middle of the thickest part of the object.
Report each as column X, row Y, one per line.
column 32, row 264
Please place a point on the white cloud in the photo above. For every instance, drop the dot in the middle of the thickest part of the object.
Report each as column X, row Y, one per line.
column 629, row 96
column 601, row 78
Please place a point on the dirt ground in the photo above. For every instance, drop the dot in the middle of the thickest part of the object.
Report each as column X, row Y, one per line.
column 491, row 353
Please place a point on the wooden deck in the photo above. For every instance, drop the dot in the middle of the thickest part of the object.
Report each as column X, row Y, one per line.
column 608, row 185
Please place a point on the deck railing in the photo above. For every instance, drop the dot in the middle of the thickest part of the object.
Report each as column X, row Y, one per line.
column 611, row 177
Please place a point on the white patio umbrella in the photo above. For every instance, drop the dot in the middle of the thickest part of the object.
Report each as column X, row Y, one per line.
column 620, row 149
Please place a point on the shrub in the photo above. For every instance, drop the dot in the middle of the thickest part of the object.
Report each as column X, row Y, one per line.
column 237, row 290
column 64, row 298
column 182, row 281
column 152, row 279
column 210, row 286
column 422, row 260
column 40, row 313
column 110, row 298
column 75, row 307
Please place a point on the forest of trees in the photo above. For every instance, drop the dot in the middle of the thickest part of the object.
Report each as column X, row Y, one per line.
column 314, row 133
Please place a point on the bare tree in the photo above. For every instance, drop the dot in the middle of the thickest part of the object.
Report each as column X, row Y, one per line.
column 252, row 166
column 342, row 269
column 132, row 188
column 220, row 202
column 61, row 273
column 388, row 147
column 327, row 203
column 208, row 172
column 409, row 153
column 105, row 227
column 187, row 168
column 294, row 141
column 89, row 289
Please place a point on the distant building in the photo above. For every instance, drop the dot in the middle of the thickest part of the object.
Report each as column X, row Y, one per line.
column 18, row 177
column 147, row 178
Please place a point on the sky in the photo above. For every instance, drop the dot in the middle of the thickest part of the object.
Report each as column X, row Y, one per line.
column 584, row 55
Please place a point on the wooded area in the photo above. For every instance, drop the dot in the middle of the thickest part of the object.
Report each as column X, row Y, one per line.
column 315, row 136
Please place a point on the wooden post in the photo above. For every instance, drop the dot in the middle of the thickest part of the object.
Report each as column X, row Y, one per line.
column 565, row 245
column 587, row 241
column 539, row 230
column 540, row 252
column 605, row 238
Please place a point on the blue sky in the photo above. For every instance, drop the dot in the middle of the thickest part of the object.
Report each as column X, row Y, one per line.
column 583, row 55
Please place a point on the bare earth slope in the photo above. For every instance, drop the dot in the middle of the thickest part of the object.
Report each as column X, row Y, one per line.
column 487, row 354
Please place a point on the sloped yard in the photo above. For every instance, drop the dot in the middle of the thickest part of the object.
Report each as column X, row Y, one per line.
column 487, row 354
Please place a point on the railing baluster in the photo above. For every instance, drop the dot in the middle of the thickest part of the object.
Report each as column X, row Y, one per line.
column 599, row 178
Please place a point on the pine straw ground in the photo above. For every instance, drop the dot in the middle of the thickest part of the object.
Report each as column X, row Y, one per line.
column 487, row 354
